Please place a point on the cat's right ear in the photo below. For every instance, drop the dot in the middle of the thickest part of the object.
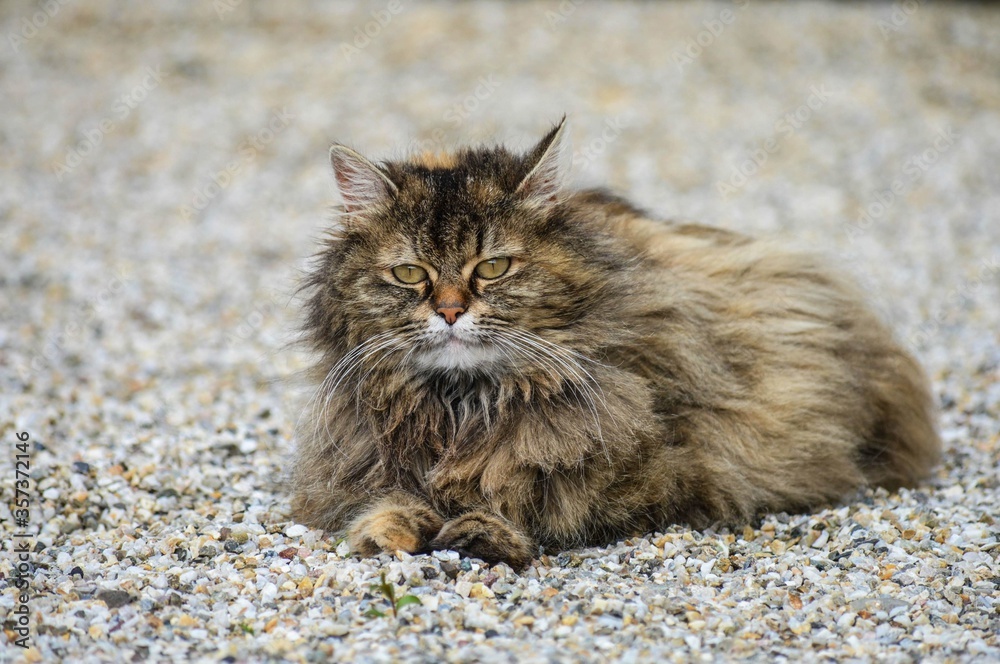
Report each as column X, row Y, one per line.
column 362, row 184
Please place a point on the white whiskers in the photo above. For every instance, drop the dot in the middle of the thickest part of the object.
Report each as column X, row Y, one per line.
column 512, row 346
column 562, row 363
column 379, row 346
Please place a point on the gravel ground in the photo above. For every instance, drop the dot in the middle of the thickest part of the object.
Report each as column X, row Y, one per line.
column 164, row 178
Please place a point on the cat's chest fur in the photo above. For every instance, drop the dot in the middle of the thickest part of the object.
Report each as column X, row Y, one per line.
column 448, row 423
column 449, row 439
column 516, row 447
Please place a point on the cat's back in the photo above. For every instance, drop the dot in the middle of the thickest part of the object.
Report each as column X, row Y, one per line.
column 719, row 264
column 777, row 338
column 667, row 243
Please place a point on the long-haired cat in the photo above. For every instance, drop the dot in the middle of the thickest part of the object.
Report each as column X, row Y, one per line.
column 505, row 363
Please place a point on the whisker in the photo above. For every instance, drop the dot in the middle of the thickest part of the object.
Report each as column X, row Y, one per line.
column 343, row 368
column 499, row 324
column 331, row 376
column 386, row 351
column 355, row 361
column 562, row 349
column 546, row 357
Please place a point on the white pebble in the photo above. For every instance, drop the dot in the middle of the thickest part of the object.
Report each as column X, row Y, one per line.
column 297, row 530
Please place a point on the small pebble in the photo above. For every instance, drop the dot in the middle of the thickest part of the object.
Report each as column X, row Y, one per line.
column 114, row 598
column 297, row 530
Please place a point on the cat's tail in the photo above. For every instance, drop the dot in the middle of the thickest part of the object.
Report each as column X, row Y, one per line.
column 904, row 445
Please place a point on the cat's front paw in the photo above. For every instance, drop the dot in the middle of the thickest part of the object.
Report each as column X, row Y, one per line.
column 395, row 523
column 488, row 537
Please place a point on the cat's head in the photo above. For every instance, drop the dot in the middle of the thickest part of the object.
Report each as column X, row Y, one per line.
column 466, row 262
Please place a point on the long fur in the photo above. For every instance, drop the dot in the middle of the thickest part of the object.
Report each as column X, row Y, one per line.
column 649, row 372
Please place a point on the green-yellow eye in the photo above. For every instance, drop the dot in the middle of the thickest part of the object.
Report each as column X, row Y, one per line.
column 409, row 274
column 493, row 267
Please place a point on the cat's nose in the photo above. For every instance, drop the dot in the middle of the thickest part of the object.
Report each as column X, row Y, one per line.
column 450, row 313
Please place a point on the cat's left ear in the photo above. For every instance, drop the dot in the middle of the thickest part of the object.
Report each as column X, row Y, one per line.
column 548, row 166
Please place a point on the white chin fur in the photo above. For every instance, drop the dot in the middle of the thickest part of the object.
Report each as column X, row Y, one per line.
column 459, row 348
column 455, row 357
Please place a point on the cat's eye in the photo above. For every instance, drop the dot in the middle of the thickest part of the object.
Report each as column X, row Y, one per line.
column 409, row 274
column 493, row 268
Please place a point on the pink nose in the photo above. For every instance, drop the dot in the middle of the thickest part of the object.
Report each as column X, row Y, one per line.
column 451, row 314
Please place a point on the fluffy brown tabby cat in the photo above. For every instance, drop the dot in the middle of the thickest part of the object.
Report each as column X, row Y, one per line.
column 505, row 363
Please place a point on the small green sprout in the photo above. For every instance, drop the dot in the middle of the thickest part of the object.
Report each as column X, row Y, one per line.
column 389, row 592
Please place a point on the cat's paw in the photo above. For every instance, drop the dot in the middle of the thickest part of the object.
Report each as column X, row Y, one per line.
column 488, row 537
column 395, row 523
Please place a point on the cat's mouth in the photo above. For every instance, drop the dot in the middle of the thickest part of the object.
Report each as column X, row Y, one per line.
column 452, row 351
column 453, row 339
column 455, row 343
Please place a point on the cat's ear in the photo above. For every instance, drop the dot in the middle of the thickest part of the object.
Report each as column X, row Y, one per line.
column 362, row 184
column 548, row 166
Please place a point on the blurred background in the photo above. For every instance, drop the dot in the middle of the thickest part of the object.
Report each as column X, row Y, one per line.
column 165, row 175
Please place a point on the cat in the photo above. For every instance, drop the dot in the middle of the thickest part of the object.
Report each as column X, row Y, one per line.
column 505, row 363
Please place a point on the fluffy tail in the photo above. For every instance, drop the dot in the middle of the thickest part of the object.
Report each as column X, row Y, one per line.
column 904, row 444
